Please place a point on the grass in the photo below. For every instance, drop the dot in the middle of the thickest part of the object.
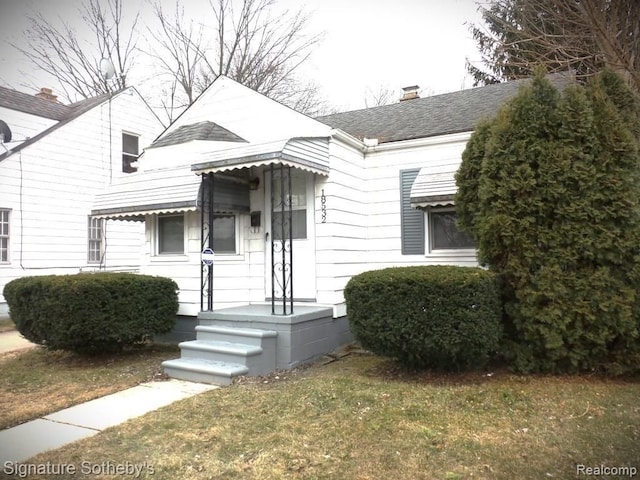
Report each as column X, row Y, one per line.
column 36, row 382
column 361, row 417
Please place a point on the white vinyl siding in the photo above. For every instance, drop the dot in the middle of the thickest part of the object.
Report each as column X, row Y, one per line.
column 341, row 240
column 50, row 185
column 383, row 167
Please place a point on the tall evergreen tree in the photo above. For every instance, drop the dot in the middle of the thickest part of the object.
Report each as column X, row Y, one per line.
column 556, row 213
column 467, row 199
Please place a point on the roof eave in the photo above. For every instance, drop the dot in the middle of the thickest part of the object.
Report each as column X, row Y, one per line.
column 437, row 139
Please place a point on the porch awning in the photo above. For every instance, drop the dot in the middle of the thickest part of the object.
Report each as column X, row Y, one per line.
column 310, row 154
column 434, row 186
column 138, row 194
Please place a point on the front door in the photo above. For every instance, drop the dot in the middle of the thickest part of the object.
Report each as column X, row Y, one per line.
column 303, row 234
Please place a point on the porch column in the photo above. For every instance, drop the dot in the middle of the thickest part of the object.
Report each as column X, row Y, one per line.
column 282, row 246
column 206, row 236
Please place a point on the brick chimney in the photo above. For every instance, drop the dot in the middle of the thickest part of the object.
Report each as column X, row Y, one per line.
column 410, row 93
column 47, row 94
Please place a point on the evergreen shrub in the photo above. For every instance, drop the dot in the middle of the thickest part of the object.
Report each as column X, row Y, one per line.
column 92, row 313
column 443, row 317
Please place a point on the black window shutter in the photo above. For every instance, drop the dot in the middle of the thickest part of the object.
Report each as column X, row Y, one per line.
column 411, row 219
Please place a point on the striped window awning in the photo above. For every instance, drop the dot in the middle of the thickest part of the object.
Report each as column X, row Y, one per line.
column 434, row 186
column 309, row 154
column 168, row 190
column 176, row 189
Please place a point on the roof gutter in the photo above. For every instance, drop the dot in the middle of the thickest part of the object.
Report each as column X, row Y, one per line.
column 371, row 145
column 420, row 142
column 348, row 139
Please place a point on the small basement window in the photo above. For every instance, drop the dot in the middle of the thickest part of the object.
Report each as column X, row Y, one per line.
column 444, row 233
column 130, row 152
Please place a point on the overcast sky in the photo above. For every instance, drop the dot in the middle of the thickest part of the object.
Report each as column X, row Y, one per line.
column 367, row 44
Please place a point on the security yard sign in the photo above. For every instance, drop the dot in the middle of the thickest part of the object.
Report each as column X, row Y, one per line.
column 207, row 256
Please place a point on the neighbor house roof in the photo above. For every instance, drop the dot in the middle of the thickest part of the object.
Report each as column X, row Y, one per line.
column 430, row 116
column 26, row 103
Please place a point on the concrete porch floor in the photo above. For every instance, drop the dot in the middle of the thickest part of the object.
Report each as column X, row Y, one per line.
column 259, row 311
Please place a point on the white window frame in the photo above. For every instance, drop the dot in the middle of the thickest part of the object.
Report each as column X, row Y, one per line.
column 466, row 251
column 131, row 157
column 185, row 240
column 91, row 238
column 5, row 236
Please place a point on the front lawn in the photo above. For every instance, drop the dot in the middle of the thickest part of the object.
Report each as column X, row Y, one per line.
column 36, row 382
column 6, row 324
column 363, row 418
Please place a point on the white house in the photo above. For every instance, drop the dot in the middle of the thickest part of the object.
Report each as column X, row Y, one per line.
column 54, row 159
column 262, row 215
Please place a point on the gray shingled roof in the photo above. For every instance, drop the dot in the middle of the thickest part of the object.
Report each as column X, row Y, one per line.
column 26, row 103
column 23, row 102
column 430, row 116
column 197, row 131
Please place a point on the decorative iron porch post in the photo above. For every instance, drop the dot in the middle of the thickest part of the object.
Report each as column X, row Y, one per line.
column 206, row 235
column 281, row 239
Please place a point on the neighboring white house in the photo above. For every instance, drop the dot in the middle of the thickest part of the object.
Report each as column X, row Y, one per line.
column 58, row 158
column 355, row 191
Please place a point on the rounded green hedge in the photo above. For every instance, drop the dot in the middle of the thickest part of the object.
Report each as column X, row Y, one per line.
column 92, row 313
column 443, row 317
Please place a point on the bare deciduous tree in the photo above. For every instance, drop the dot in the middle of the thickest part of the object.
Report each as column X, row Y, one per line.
column 383, row 95
column 57, row 48
column 244, row 41
column 178, row 52
column 583, row 35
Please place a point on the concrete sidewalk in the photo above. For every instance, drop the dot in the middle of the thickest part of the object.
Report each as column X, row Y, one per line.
column 87, row 419
column 12, row 340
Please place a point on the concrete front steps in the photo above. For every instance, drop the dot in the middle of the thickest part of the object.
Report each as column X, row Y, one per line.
column 221, row 353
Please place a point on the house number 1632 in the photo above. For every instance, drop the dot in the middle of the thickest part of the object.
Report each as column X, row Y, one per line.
column 323, row 207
